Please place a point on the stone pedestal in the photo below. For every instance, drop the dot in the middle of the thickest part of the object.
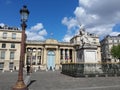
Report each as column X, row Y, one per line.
column 88, row 56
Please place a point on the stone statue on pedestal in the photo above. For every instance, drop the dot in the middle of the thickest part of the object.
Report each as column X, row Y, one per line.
column 84, row 37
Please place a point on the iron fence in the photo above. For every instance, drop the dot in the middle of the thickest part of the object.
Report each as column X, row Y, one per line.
column 91, row 69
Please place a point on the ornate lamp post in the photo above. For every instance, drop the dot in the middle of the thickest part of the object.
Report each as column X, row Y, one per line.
column 20, row 85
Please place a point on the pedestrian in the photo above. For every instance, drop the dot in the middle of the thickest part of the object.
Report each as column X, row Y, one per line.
column 15, row 68
column 28, row 69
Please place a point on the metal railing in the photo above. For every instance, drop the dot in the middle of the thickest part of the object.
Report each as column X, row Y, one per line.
column 91, row 69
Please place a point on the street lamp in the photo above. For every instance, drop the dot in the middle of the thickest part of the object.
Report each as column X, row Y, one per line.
column 20, row 85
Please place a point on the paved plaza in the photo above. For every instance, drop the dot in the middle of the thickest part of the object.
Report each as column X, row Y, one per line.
column 50, row 80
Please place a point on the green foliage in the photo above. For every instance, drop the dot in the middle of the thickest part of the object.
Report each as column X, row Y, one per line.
column 115, row 51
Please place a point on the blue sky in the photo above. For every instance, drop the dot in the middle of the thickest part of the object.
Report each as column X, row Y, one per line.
column 63, row 17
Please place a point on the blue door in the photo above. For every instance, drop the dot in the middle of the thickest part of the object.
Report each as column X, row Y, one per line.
column 51, row 60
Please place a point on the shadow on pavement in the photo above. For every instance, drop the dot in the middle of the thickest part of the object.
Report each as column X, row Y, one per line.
column 32, row 81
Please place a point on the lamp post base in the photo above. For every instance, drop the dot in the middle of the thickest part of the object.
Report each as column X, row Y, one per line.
column 20, row 86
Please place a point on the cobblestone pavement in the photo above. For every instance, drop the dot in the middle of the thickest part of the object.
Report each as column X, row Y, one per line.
column 50, row 80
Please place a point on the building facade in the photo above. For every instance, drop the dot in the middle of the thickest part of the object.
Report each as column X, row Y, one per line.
column 44, row 55
column 106, row 45
column 49, row 54
column 10, row 40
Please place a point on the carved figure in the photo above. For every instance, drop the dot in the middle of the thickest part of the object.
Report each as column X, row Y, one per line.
column 84, row 36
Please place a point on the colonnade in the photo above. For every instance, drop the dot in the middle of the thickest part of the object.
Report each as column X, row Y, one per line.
column 66, row 55
column 34, row 56
column 37, row 57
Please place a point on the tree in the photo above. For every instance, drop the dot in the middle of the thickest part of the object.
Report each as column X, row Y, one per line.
column 115, row 51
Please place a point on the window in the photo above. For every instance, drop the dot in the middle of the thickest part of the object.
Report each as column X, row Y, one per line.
column 115, row 41
column 3, row 45
column 1, row 65
column 12, row 55
column 2, row 55
column 94, row 39
column 10, row 66
column 13, row 35
column 110, row 41
column 4, row 35
column 39, row 60
column 12, row 45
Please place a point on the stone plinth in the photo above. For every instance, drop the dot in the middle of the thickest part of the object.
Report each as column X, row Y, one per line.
column 87, row 54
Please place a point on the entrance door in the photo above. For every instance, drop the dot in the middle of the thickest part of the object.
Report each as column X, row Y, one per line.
column 51, row 60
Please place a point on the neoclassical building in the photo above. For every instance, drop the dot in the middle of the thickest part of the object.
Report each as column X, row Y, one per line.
column 49, row 54
column 10, row 43
column 106, row 44
column 44, row 55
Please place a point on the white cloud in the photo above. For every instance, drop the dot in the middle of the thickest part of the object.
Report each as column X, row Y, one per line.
column 43, row 32
column 87, row 3
column 67, row 38
column 98, row 16
column 38, row 26
column 69, row 22
column 36, row 32
column 114, row 33
column 101, row 30
column 2, row 24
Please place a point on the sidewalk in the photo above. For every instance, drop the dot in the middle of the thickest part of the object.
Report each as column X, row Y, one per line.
column 8, row 79
column 57, row 81
column 50, row 80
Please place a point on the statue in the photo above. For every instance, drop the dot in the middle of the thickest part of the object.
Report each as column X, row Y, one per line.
column 84, row 36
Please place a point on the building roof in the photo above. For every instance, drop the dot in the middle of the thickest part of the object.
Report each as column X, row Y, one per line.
column 8, row 28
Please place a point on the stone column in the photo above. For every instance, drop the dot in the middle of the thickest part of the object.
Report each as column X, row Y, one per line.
column 74, row 56
column 36, row 60
column 59, row 55
column 42, row 56
column 36, row 57
column 31, row 59
column 44, row 59
column 63, row 55
column 57, row 59
column 68, row 56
